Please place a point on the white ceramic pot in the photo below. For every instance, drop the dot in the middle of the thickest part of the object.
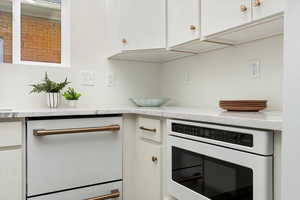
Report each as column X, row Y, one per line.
column 53, row 100
column 72, row 103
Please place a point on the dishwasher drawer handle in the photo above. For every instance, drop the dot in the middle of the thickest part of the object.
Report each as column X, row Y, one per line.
column 43, row 132
column 148, row 129
column 112, row 195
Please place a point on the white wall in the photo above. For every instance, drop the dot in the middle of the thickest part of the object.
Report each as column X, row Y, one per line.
column 291, row 108
column 225, row 74
column 90, row 47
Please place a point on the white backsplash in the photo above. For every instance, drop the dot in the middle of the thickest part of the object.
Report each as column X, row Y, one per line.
column 205, row 79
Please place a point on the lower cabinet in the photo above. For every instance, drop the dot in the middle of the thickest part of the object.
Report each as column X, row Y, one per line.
column 11, row 156
column 148, row 170
column 11, row 174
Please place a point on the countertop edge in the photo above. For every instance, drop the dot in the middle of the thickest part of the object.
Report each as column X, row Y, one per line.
column 265, row 120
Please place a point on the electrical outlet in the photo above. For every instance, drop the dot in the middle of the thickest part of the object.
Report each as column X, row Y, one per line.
column 187, row 78
column 255, row 68
column 88, row 78
column 110, row 79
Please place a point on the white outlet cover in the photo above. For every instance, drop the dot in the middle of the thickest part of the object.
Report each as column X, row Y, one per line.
column 110, row 79
column 88, row 78
column 255, row 69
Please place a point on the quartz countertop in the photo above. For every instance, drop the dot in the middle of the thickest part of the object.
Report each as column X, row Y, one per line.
column 270, row 120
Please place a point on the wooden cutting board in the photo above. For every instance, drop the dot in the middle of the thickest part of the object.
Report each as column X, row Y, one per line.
column 243, row 105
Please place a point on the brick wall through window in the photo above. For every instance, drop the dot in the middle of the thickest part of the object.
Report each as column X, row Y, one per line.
column 40, row 38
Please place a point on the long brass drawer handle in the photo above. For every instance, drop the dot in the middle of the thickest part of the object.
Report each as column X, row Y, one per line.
column 113, row 194
column 148, row 129
column 43, row 132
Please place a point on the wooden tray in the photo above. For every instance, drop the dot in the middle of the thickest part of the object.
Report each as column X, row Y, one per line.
column 244, row 105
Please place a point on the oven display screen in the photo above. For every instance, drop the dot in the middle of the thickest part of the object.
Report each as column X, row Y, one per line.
column 210, row 177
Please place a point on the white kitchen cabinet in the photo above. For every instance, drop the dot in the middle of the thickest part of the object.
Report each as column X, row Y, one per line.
column 11, row 174
column 239, row 21
column 266, row 8
column 137, row 30
column 183, row 21
column 148, row 171
column 185, row 30
column 219, row 15
column 143, row 24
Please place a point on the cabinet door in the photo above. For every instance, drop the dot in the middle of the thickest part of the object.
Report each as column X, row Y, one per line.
column 11, row 175
column 148, row 175
column 265, row 8
column 219, row 15
column 143, row 24
column 183, row 21
column 113, row 26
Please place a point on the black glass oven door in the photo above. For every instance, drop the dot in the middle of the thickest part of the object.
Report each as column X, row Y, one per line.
column 210, row 177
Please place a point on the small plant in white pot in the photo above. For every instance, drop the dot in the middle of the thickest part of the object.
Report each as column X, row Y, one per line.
column 72, row 97
column 52, row 90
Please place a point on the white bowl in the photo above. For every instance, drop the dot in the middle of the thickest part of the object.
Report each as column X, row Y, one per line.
column 149, row 102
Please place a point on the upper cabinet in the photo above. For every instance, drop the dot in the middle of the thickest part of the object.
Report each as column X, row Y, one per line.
column 143, row 24
column 185, row 28
column 219, row 15
column 240, row 21
column 141, row 31
column 265, row 8
column 183, row 21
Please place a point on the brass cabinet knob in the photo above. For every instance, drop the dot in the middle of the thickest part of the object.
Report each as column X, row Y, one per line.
column 154, row 159
column 192, row 27
column 257, row 3
column 124, row 41
column 243, row 8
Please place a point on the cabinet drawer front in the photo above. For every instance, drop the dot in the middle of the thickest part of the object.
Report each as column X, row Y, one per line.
column 11, row 175
column 64, row 161
column 10, row 134
column 84, row 193
column 149, row 129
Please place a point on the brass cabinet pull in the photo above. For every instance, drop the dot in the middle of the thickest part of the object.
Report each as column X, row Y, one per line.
column 148, row 129
column 243, row 8
column 43, row 132
column 154, row 159
column 257, row 3
column 192, row 27
column 112, row 195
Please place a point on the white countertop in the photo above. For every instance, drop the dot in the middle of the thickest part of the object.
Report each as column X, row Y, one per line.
column 261, row 120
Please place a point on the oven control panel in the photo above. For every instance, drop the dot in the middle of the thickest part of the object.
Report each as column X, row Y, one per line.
column 214, row 134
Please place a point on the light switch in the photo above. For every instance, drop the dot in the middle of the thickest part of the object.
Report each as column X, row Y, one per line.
column 88, row 78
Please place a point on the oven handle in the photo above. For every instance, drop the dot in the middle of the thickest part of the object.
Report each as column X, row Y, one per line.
column 112, row 195
column 43, row 132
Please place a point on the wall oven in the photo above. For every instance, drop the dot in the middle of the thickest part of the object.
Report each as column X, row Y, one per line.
column 213, row 162
column 74, row 158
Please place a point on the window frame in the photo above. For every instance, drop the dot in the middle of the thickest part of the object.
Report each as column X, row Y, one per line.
column 65, row 36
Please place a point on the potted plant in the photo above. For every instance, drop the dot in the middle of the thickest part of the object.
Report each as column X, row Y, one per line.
column 72, row 97
column 52, row 90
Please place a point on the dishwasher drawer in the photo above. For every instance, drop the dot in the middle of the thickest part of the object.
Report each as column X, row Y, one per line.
column 86, row 193
column 63, row 154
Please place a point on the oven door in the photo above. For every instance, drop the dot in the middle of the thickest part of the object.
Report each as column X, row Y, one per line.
column 201, row 171
column 69, row 154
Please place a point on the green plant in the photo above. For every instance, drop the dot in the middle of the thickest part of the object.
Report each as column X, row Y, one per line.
column 49, row 86
column 71, row 94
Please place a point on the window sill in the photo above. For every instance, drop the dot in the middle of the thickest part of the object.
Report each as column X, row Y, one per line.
column 43, row 64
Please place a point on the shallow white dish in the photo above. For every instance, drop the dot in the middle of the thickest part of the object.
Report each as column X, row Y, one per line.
column 149, row 102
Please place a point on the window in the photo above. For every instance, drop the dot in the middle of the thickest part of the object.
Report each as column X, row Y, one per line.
column 6, row 31
column 40, row 33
